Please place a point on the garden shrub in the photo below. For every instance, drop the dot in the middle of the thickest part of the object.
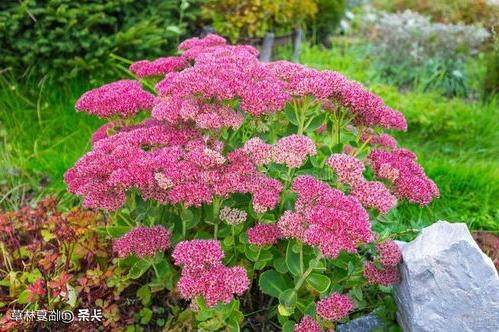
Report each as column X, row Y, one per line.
column 411, row 50
column 448, row 11
column 256, row 178
column 326, row 20
column 68, row 37
column 55, row 261
column 250, row 18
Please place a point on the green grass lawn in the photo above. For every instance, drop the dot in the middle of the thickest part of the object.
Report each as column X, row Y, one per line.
column 455, row 140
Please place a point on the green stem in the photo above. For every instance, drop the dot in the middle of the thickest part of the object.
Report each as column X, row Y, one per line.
column 215, row 231
column 309, row 270
column 155, row 270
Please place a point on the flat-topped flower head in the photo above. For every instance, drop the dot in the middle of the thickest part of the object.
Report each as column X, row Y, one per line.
column 292, row 225
column 389, row 253
column 160, row 66
column 387, row 276
column 232, row 216
column 143, row 242
column 215, row 284
column 293, row 150
column 347, row 168
column 308, row 324
column 263, row 234
column 259, row 151
column 409, row 180
column 332, row 221
column 374, row 194
column 334, row 307
column 208, row 41
column 197, row 254
column 121, row 98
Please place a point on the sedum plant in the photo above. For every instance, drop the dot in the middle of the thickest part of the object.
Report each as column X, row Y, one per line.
column 227, row 176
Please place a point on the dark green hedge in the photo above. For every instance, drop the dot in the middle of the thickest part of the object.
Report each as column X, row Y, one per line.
column 66, row 37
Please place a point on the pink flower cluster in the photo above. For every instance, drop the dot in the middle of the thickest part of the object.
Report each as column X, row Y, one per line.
column 335, row 307
column 308, row 324
column 389, row 253
column 386, row 276
column 160, row 66
column 291, row 150
column 348, row 169
column 170, row 165
column 142, row 241
column 409, row 180
column 203, row 273
column 372, row 194
column 384, row 140
column 325, row 217
column 263, row 234
column 232, row 216
column 367, row 108
column 122, row 98
column 259, row 151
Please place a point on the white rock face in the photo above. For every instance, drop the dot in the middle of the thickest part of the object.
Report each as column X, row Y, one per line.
column 448, row 283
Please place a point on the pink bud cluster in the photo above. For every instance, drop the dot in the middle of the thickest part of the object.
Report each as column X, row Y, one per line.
column 335, row 307
column 308, row 324
column 348, row 169
column 203, row 273
column 170, row 165
column 291, row 150
column 389, row 253
column 372, row 194
column 325, row 217
column 160, row 66
column 122, row 98
column 386, row 276
column 232, row 216
column 142, row 241
column 409, row 180
column 367, row 108
column 384, row 140
column 263, row 234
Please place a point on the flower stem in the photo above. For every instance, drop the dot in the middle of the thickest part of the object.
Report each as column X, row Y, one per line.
column 304, row 276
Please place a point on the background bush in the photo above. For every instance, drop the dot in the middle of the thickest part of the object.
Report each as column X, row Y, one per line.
column 253, row 18
column 448, row 11
column 327, row 19
column 411, row 50
column 69, row 37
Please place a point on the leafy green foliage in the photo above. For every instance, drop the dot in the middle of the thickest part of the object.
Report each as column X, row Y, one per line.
column 69, row 37
column 250, row 18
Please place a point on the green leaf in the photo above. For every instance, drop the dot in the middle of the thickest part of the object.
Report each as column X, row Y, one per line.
column 316, row 122
column 260, row 265
column 187, row 216
column 144, row 294
column 145, row 316
column 319, row 282
column 293, row 261
column 279, row 264
column 291, row 115
column 117, row 231
column 288, row 298
column 23, row 297
column 273, row 283
column 138, row 269
column 289, row 326
column 357, row 293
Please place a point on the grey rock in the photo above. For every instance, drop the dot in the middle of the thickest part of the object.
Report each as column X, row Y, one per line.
column 367, row 323
column 447, row 283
